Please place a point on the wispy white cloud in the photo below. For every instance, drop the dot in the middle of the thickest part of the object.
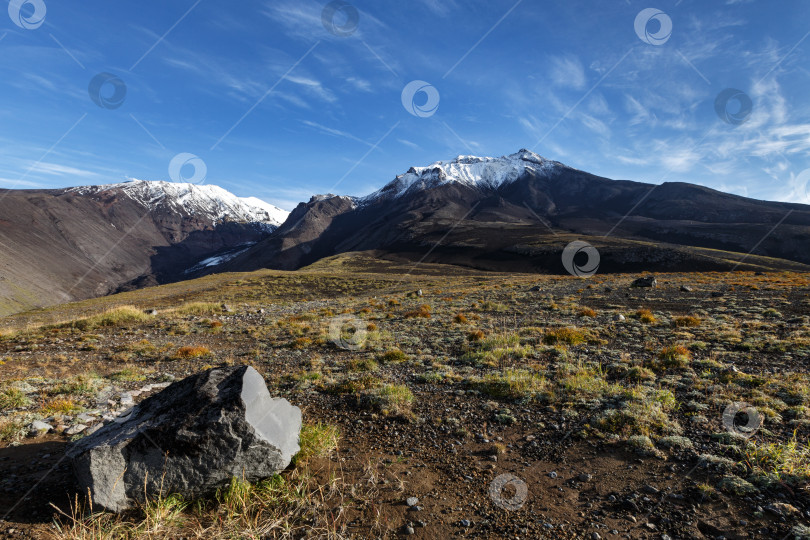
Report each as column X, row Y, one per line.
column 410, row 144
column 61, row 170
column 440, row 7
column 567, row 71
column 335, row 132
column 359, row 84
column 314, row 86
column 17, row 184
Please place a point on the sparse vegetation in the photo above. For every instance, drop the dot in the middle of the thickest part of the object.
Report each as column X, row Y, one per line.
column 191, row 352
column 485, row 360
column 316, row 440
column 13, row 398
column 114, row 317
column 646, row 316
column 568, row 336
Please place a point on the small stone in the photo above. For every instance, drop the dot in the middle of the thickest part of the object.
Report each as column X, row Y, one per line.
column 619, row 317
column 650, row 526
column 686, row 288
column 465, row 523
column 412, row 501
column 596, row 536
column 409, row 530
column 38, row 427
column 584, row 477
column 782, row 509
column 552, row 474
column 75, row 430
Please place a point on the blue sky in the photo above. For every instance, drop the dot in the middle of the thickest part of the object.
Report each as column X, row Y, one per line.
column 277, row 106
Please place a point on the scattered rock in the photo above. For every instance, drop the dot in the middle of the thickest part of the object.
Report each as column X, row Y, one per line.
column 190, row 439
column 686, row 288
column 781, row 509
column 127, row 400
column 38, row 427
column 718, row 294
column 736, row 486
column 584, row 477
column 619, row 317
column 412, row 501
column 75, row 430
column 86, row 418
column 649, row 281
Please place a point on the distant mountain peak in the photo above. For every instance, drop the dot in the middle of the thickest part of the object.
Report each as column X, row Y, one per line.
column 210, row 201
column 474, row 171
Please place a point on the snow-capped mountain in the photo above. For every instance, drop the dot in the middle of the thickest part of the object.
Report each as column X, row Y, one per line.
column 511, row 213
column 471, row 171
column 214, row 202
column 68, row 244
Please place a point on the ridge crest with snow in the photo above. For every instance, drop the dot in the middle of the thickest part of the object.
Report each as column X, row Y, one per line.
column 212, row 201
column 473, row 171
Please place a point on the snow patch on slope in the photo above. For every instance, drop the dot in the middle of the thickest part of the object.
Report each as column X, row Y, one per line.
column 216, row 260
column 473, row 171
column 202, row 200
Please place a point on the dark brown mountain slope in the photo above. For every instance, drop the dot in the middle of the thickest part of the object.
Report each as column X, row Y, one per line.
column 517, row 213
column 62, row 245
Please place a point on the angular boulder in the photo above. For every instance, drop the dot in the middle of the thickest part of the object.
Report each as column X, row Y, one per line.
column 649, row 281
column 191, row 439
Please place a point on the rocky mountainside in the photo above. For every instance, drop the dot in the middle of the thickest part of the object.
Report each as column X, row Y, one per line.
column 518, row 212
column 67, row 244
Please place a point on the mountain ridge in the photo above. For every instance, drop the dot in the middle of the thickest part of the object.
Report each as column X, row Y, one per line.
column 542, row 198
column 67, row 244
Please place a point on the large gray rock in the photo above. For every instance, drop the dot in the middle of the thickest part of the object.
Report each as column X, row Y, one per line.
column 648, row 281
column 191, row 438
